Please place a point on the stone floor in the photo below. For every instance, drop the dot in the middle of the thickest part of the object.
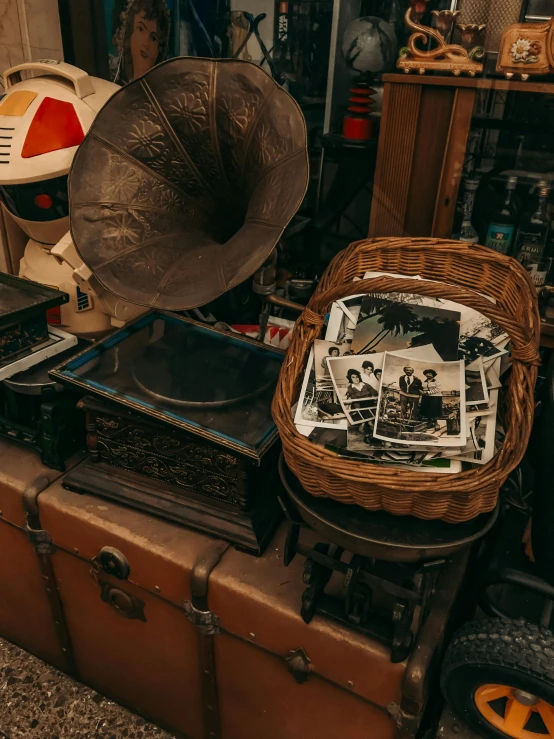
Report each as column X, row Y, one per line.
column 38, row 702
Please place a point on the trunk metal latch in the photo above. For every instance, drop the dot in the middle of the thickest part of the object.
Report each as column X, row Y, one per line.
column 112, row 562
column 299, row 665
column 206, row 622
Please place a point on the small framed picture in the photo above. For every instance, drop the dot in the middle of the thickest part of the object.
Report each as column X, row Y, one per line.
column 140, row 34
column 119, row 40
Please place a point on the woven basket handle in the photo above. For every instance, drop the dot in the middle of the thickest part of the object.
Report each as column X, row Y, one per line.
column 524, row 346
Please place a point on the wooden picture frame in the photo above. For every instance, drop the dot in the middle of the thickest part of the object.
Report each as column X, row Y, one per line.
column 88, row 32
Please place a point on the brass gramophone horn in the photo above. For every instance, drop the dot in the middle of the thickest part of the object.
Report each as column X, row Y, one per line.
column 186, row 181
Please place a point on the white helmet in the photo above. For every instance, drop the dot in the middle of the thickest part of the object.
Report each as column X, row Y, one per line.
column 43, row 119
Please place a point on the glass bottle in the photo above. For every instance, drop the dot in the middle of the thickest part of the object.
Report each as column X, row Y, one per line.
column 468, row 233
column 502, row 226
column 534, row 230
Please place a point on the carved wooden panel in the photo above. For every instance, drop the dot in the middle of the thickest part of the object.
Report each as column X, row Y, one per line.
column 397, row 141
column 169, row 457
column 421, row 152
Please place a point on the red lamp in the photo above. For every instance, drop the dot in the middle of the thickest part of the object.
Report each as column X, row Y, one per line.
column 358, row 123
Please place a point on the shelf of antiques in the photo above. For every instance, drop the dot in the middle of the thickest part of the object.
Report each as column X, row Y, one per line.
column 424, row 135
column 253, row 469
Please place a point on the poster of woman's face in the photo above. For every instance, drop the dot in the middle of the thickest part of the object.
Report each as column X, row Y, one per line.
column 141, row 34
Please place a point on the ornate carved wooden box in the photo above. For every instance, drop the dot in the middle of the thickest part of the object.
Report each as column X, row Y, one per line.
column 179, row 424
column 527, row 49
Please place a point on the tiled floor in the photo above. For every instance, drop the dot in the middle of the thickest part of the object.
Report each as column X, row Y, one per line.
column 38, row 702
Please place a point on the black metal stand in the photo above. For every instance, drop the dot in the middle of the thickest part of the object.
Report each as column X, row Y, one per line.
column 38, row 412
column 389, row 564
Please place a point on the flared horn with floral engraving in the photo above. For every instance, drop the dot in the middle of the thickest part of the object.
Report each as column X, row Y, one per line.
column 186, row 181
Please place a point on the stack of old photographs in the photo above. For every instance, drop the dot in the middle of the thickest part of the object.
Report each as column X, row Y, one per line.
column 405, row 380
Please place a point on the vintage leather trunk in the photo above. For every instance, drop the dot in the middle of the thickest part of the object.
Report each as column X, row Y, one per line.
column 203, row 639
column 26, row 607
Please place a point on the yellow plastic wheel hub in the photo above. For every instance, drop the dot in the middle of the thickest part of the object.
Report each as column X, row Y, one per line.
column 512, row 711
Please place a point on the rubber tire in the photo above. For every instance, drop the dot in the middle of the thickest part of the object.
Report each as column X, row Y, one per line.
column 510, row 652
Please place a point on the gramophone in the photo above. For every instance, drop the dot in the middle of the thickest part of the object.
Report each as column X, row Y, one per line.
column 180, row 192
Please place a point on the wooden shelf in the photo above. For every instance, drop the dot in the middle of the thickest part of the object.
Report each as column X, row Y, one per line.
column 474, row 83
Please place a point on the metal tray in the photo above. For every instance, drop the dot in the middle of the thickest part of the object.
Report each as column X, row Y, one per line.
column 22, row 299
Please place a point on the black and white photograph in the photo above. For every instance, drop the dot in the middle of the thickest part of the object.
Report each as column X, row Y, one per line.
column 318, row 407
column 385, row 325
column 412, row 298
column 343, row 318
column 476, row 384
column 490, row 407
column 324, row 350
column 360, row 440
column 421, row 403
column 492, row 374
column 356, row 386
column 335, row 438
column 370, row 370
column 361, row 444
column 480, row 444
column 480, row 337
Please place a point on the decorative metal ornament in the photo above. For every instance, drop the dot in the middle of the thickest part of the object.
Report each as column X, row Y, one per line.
column 186, row 181
column 445, row 57
column 468, row 233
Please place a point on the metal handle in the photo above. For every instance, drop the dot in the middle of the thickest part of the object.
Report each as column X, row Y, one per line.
column 82, row 83
column 113, row 562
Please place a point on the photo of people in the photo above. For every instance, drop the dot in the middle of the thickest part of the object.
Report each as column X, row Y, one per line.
column 141, row 36
column 386, row 325
column 318, row 404
column 421, row 403
column 355, row 387
column 411, row 387
column 430, row 406
column 324, row 350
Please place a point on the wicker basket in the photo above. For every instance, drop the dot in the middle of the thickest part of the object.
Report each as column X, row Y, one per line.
column 467, row 269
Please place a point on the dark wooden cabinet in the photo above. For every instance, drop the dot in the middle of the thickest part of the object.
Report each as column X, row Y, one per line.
column 422, row 145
